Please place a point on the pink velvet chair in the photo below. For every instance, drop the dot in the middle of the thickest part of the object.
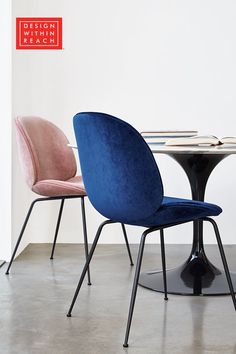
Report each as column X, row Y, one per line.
column 50, row 170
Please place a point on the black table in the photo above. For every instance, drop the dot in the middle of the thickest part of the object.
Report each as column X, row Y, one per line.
column 197, row 275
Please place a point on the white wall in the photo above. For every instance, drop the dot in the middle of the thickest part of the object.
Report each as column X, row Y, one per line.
column 5, row 131
column 158, row 64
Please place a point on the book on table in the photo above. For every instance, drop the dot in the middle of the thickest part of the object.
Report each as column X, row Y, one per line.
column 162, row 136
column 201, row 140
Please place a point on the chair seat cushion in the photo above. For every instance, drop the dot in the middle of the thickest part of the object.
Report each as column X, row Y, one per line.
column 52, row 187
column 174, row 210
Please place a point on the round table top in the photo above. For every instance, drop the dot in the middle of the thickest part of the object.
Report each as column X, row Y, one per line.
column 190, row 149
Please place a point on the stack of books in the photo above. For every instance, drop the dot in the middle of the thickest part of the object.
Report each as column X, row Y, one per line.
column 163, row 136
column 209, row 140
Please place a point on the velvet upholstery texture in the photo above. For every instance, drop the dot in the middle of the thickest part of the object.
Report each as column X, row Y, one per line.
column 48, row 164
column 125, row 168
column 52, row 188
column 127, row 186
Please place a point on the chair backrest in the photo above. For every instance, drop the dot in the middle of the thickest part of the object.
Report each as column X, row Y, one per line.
column 43, row 151
column 119, row 171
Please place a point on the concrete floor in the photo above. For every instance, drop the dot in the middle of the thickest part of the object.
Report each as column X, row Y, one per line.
column 35, row 297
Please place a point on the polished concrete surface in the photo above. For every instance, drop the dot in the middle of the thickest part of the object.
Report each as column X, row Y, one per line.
column 35, row 297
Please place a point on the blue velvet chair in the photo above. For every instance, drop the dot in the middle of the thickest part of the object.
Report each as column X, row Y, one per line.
column 127, row 188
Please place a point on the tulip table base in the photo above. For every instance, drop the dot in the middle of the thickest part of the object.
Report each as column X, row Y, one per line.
column 181, row 281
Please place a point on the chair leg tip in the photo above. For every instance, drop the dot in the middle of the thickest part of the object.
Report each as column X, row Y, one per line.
column 125, row 345
column 166, row 298
column 51, row 257
column 132, row 264
column 7, row 273
column 89, row 283
column 68, row 315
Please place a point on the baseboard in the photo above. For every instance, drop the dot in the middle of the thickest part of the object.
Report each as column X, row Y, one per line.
column 1, row 263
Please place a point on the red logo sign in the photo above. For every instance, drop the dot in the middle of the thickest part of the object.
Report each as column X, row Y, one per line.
column 39, row 33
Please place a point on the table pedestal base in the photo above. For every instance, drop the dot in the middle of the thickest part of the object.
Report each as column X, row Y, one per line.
column 182, row 281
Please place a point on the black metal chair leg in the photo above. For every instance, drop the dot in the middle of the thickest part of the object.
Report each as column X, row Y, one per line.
column 21, row 234
column 224, row 261
column 85, row 269
column 85, row 236
column 135, row 285
column 163, row 257
column 57, row 227
column 127, row 244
